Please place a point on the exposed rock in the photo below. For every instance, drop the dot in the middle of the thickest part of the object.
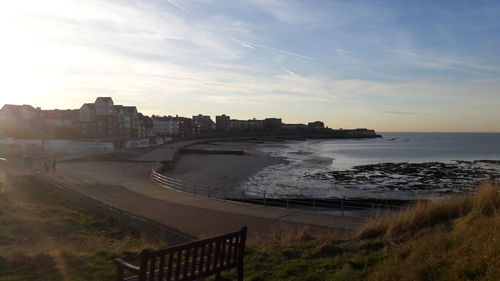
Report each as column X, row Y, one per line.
column 456, row 176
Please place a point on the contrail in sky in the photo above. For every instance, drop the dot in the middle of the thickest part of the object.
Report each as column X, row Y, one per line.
column 253, row 45
column 179, row 6
column 308, row 81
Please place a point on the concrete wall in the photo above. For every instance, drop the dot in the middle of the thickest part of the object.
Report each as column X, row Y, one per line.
column 58, row 146
column 12, row 146
column 90, row 147
column 137, row 143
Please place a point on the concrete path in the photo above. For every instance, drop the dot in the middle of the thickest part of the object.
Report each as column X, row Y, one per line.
column 127, row 186
column 120, row 183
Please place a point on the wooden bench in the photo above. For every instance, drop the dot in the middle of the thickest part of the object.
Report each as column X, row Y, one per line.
column 190, row 261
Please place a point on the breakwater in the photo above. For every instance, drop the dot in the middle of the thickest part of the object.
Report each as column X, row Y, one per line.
column 205, row 151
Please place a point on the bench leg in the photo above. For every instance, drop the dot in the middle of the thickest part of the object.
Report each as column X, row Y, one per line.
column 240, row 273
column 119, row 273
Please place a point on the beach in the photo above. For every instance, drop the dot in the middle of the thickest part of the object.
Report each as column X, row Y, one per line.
column 223, row 170
column 397, row 167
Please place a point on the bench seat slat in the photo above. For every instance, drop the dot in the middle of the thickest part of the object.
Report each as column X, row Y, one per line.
column 197, row 273
column 191, row 261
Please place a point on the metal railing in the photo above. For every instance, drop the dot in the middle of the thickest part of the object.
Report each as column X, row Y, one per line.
column 342, row 207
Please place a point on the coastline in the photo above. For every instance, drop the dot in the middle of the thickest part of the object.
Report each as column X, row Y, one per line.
column 301, row 169
column 222, row 170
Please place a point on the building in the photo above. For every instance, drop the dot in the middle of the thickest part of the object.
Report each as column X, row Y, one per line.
column 187, row 127
column 204, row 123
column 294, row 126
column 165, row 125
column 104, row 106
column 272, row 123
column 145, row 126
column 19, row 120
column 58, row 118
column 11, row 112
column 104, row 119
column 222, row 122
column 238, row 125
column 317, row 125
column 255, row 125
column 173, row 126
column 127, row 121
column 59, row 123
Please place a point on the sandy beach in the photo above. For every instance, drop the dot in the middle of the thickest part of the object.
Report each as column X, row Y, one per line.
column 222, row 170
column 369, row 169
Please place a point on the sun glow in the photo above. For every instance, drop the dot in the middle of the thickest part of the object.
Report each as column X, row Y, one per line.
column 35, row 56
column 24, row 57
column 207, row 56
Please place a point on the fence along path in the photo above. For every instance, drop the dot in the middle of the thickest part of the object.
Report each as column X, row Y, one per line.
column 340, row 207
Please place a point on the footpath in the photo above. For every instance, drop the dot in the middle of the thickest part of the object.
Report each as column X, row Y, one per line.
column 126, row 185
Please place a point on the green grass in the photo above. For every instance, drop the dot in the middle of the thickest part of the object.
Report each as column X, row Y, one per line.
column 44, row 237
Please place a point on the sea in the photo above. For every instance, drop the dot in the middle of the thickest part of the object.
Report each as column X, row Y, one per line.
column 403, row 166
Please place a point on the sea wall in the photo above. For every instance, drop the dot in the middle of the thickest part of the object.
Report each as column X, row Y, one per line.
column 11, row 146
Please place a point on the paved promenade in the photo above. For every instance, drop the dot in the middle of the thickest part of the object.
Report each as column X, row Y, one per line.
column 126, row 185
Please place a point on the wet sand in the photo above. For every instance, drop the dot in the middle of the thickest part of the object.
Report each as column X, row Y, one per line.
column 228, row 171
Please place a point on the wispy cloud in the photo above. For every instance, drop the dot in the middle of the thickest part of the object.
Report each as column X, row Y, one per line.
column 243, row 43
column 289, row 11
column 446, row 63
column 174, row 56
column 314, row 84
column 377, row 73
column 179, row 6
column 399, row 112
column 343, row 51
column 253, row 45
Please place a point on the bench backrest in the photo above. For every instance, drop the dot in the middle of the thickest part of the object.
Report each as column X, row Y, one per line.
column 194, row 260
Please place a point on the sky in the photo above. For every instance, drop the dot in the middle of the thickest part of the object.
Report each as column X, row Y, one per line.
column 386, row 65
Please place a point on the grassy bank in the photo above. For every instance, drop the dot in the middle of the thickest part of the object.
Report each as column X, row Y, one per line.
column 453, row 240
column 45, row 237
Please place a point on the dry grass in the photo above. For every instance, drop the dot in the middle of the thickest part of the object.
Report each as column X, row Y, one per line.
column 485, row 202
column 455, row 239
column 45, row 237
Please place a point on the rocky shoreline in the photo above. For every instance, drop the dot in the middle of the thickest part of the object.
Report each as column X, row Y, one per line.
column 437, row 177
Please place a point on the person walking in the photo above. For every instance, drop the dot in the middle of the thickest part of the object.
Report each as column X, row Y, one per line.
column 45, row 167
column 25, row 159
column 29, row 161
column 54, row 162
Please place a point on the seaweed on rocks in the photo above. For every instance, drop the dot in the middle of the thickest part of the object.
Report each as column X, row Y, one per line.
column 454, row 176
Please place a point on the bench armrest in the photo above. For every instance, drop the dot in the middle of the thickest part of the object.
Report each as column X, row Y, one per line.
column 121, row 264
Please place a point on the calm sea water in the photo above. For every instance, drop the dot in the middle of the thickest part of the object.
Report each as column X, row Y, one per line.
column 409, row 147
column 320, row 156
